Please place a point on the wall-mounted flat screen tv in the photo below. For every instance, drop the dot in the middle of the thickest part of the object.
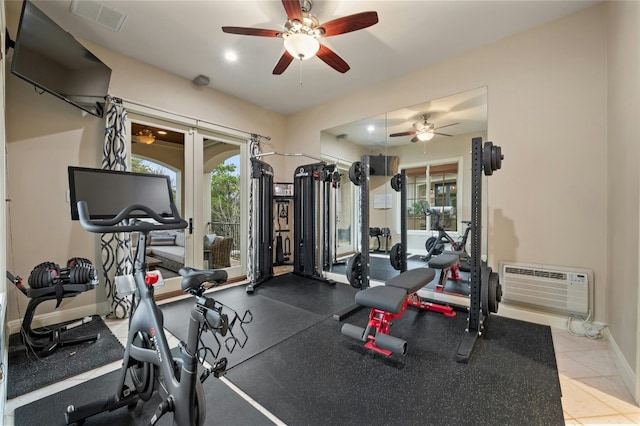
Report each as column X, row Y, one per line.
column 53, row 60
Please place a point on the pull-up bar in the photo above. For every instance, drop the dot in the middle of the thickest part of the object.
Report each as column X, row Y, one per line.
column 288, row 154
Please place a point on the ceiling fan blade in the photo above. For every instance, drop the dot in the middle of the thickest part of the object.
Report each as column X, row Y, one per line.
column 409, row 133
column 283, row 63
column 441, row 134
column 332, row 59
column 446, row 125
column 251, row 31
column 293, row 9
column 414, row 139
column 349, row 23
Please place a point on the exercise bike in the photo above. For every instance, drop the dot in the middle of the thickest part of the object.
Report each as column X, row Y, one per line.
column 436, row 245
column 148, row 362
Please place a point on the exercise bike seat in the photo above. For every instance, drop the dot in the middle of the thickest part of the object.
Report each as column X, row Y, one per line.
column 193, row 278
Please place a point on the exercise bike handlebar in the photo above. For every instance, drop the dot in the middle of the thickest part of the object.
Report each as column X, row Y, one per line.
column 115, row 224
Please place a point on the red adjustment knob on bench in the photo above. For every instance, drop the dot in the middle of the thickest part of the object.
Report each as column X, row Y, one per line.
column 151, row 279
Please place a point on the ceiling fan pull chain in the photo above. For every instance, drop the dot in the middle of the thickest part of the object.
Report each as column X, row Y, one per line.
column 300, row 71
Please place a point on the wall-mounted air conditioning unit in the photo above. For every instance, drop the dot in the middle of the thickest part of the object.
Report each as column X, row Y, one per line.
column 550, row 288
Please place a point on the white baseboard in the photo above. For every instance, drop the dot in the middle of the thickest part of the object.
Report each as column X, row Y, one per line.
column 57, row 317
column 625, row 370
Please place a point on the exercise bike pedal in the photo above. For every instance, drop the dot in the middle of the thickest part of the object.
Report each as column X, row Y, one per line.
column 218, row 369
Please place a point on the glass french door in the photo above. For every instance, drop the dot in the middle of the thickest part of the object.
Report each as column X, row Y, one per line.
column 162, row 147
column 207, row 175
column 345, row 224
column 222, row 201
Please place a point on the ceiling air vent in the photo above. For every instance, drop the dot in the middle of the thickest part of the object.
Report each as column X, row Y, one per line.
column 100, row 13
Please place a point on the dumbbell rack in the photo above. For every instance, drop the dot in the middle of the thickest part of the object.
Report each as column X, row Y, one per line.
column 46, row 340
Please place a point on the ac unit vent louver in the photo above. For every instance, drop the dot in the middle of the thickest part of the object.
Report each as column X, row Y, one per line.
column 549, row 288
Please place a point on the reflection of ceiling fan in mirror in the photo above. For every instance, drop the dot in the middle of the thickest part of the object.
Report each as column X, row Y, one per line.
column 147, row 135
column 424, row 131
column 302, row 32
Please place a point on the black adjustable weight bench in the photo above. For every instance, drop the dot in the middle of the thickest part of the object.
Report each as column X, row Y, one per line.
column 389, row 302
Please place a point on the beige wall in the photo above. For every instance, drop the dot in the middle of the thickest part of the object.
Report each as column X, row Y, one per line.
column 45, row 135
column 547, row 110
column 623, row 163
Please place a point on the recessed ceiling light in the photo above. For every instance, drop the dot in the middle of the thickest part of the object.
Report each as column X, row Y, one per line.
column 370, row 128
column 231, row 56
column 161, row 132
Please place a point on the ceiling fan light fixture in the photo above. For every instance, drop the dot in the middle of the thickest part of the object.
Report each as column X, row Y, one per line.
column 301, row 46
column 146, row 137
column 425, row 136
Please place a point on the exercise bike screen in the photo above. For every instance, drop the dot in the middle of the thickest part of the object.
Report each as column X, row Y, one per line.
column 108, row 192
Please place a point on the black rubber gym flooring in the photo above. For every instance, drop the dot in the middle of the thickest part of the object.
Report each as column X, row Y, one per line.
column 319, row 377
column 297, row 365
column 224, row 407
column 28, row 371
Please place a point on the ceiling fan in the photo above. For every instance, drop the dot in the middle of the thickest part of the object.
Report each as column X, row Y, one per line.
column 303, row 31
column 424, row 131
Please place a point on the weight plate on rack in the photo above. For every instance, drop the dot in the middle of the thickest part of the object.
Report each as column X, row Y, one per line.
column 354, row 270
column 396, row 183
column 495, row 292
column 496, row 157
column 486, row 158
column 356, row 174
column 395, row 257
column 485, row 272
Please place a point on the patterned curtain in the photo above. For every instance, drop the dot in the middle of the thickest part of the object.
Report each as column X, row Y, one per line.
column 116, row 248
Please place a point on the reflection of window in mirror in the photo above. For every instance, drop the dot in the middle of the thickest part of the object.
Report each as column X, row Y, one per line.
column 416, row 191
column 442, row 181
column 344, row 210
column 443, row 194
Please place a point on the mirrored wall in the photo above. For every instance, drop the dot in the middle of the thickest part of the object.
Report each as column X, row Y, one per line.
column 432, row 142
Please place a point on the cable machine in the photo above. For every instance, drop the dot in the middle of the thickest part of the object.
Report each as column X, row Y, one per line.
column 312, row 185
column 311, row 196
column 261, row 216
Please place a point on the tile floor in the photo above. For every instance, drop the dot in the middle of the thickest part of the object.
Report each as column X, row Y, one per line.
column 593, row 391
